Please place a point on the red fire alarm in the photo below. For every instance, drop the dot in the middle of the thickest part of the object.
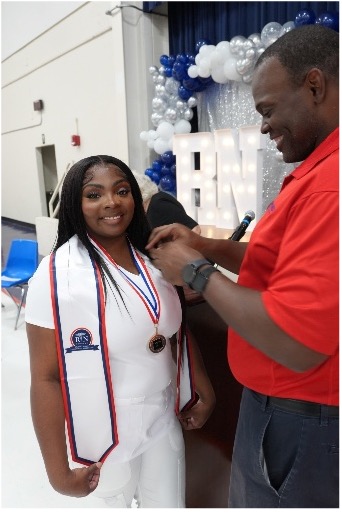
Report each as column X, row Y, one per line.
column 75, row 140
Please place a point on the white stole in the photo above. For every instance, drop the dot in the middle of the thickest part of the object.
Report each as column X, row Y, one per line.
column 79, row 314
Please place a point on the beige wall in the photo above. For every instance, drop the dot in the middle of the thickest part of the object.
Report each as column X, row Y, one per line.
column 78, row 69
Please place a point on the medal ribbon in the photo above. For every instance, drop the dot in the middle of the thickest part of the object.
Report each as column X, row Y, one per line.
column 152, row 303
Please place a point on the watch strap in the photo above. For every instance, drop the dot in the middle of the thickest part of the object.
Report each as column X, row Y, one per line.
column 202, row 277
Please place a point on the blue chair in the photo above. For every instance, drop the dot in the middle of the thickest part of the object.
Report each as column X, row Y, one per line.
column 22, row 262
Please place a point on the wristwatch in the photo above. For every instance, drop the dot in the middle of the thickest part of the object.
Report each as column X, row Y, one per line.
column 194, row 277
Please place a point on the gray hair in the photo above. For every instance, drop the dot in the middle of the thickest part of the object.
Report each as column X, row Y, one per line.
column 147, row 187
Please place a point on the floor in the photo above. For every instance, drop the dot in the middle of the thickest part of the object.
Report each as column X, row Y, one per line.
column 23, row 478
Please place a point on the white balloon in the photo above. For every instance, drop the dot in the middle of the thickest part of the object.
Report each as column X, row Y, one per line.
column 218, row 75
column 165, row 130
column 150, row 144
column 204, row 70
column 152, row 134
column 223, row 46
column 182, row 127
column 230, row 70
column 144, row 136
column 206, row 50
column 161, row 146
column 217, row 59
column 193, row 71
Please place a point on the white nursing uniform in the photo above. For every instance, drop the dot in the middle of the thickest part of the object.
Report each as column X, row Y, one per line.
column 142, row 385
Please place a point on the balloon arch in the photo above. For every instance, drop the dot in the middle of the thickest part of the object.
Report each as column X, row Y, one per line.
column 180, row 77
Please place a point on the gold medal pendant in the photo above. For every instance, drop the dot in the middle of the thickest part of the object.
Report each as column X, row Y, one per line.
column 157, row 342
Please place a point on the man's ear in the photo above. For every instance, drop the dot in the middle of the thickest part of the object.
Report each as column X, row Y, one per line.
column 316, row 83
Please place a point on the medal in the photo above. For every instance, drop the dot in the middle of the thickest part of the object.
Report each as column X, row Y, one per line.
column 157, row 342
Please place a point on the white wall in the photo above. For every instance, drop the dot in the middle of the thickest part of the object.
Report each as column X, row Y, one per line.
column 77, row 68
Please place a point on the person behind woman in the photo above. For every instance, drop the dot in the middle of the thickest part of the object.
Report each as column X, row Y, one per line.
column 161, row 207
column 99, row 321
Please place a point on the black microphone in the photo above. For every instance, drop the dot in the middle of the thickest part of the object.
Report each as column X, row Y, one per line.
column 240, row 230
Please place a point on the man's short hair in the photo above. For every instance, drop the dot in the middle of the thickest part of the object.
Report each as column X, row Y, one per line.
column 303, row 48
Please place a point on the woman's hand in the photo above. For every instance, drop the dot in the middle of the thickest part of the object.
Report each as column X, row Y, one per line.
column 79, row 482
column 198, row 415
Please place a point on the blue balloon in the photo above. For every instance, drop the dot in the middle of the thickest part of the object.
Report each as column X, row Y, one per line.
column 155, row 177
column 182, row 58
column 168, row 71
column 165, row 170
column 173, row 169
column 304, row 17
column 157, row 165
column 329, row 19
column 202, row 42
column 168, row 158
column 167, row 183
column 172, row 60
column 149, row 172
column 184, row 93
column 192, row 84
column 164, row 60
column 179, row 70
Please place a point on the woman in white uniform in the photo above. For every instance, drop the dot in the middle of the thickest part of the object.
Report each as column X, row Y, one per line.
column 99, row 322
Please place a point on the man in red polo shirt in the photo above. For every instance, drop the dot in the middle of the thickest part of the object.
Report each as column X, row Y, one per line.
column 283, row 312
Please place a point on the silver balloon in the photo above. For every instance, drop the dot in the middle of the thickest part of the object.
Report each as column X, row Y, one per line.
column 192, row 102
column 152, row 70
column 180, row 105
column 188, row 114
column 271, row 32
column 170, row 115
column 289, row 25
column 162, row 70
column 161, row 79
column 260, row 50
column 172, row 101
column 247, row 79
column 160, row 89
column 248, row 44
column 171, row 85
column 236, row 44
column 156, row 118
column 243, row 66
column 158, row 105
column 251, row 54
column 256, row 39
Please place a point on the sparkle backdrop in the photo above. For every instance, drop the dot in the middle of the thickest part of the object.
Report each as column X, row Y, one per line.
column 231, row 105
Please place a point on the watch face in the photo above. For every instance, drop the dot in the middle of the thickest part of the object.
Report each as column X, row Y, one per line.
column 188, row 273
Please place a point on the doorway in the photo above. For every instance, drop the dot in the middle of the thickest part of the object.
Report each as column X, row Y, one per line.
column 48, row 178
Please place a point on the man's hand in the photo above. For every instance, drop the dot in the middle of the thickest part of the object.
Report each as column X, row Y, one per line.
column 171, row 257
column 172, row 232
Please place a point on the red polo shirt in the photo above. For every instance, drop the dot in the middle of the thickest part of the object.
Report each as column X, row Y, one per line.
column 292, row 258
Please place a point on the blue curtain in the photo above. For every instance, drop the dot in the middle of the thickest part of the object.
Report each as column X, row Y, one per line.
column 218, row 21
column 149, row 6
